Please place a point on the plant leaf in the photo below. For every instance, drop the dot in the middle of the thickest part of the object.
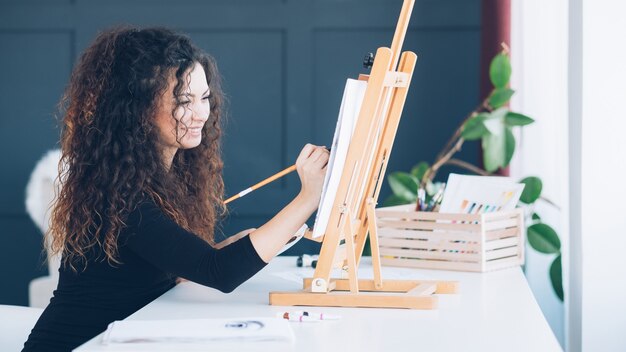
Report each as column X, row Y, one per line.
column 395, row 200
column 556, row 277
column 404, row 185
column 494, row 143
column 532, row 189
column 419, row 170
column 536, row 216
column 432, row 188
column 475, row 128
column 494, row 121
column 516, row 119
column 509, row 145
column 495, row 147
column 544, row 239
column 493, row 151
column 500, row 96
column 500, row 70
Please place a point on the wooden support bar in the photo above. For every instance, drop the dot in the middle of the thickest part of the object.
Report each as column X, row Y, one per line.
column 501, row 264
column 308, row 235
column 501, row 253
column 421, row 254
column 396, row 79
column 425, row 235
column 366, row 285
column 432, row 264
column 424, row 225
column 373, row 233
column 376, row 300
column 423, row 289
column 347, row 228
column 434, row 244
column 502, row 243
column 401, row 27
column 498, row 234
column 500, row 224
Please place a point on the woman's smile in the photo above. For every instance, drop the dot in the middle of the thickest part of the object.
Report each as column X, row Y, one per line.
column 194, row 131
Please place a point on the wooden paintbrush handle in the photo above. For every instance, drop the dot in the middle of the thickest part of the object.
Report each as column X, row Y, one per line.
column 261, row 184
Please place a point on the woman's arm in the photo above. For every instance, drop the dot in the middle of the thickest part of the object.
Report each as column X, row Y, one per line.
column 224, row 243
column 163, row 243
column 233, row 238
column 160, row 241
column 272, row 236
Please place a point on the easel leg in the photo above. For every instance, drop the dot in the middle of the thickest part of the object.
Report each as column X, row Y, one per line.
column 373, row 233
column 349, row 238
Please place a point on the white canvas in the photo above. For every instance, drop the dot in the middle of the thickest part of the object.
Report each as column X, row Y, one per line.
column 348, row 114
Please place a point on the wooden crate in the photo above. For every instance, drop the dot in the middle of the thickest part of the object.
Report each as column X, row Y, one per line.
column 465, row 242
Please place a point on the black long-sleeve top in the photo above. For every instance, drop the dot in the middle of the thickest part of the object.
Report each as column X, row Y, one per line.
column 153, row 251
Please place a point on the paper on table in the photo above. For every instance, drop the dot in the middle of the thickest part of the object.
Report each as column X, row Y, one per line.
column 207, row 331
column 348, row 114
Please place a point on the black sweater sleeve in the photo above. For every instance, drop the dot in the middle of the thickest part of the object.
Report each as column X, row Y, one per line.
column 163, row 243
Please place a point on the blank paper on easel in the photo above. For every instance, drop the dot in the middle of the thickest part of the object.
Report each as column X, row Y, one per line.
column 348, row 114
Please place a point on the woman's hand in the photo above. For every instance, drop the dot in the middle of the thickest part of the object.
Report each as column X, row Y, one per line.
column 311, row 166
column 270, row 238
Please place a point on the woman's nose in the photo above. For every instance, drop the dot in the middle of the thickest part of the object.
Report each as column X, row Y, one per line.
column 201, row 112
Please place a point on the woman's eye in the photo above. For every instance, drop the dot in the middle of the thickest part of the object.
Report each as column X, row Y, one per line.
column 206, row 98
column 185, row 102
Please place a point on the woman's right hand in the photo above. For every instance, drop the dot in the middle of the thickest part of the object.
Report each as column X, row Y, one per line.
column 311, row 166
column 270, row 238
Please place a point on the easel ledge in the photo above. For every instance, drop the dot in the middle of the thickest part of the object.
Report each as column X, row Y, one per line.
column 412, row 294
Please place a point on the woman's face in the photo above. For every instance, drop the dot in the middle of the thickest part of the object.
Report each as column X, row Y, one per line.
column 184, row 129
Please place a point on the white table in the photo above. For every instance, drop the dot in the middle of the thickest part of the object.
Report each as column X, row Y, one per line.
column 493, row 312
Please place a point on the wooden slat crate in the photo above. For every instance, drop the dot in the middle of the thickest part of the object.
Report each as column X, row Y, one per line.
column 465, row 242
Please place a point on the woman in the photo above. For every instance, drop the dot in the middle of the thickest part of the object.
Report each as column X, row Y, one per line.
column 142, row 187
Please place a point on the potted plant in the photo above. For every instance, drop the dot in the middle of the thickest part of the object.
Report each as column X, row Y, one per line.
column 491, row 122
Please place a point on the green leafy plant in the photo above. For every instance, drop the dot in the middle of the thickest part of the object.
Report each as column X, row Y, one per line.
column 492, row 123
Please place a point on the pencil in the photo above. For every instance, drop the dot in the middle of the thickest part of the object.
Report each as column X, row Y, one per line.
column 261, row 184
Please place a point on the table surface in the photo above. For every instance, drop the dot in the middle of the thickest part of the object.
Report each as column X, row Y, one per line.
column 493, row 311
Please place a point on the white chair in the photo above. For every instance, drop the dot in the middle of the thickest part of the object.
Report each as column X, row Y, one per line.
column 16, row 322
column 40, row 192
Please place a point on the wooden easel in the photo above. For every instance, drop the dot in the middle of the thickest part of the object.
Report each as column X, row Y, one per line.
column 353, row 215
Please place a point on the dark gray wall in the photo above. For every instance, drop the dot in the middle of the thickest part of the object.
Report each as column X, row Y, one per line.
column 284, row 64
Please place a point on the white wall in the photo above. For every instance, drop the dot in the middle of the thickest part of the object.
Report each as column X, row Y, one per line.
column 569, row 66
column 539, row 54
column 602, row 175
column 573, row 310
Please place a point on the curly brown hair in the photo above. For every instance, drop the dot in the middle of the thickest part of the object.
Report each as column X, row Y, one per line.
column 111, row 154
